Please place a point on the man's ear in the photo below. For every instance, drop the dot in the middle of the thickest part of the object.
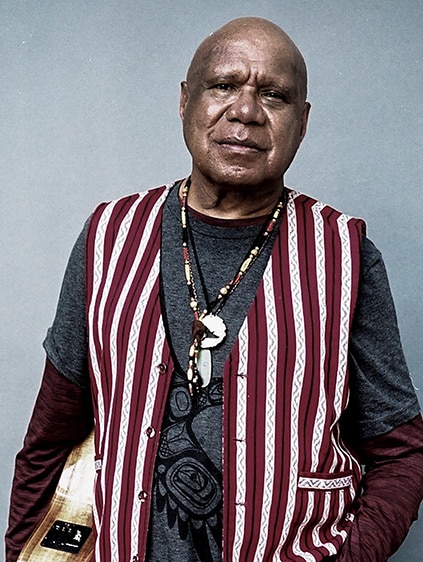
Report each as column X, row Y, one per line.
column 304, row 119
column 183, row 99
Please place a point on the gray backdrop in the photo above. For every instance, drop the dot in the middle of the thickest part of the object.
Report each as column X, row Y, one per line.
column 89, row 111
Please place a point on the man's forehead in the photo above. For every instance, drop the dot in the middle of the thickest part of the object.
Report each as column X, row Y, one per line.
column 249, row 44
column 232, row 57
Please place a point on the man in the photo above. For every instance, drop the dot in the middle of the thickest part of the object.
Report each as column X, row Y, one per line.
column 229, row 309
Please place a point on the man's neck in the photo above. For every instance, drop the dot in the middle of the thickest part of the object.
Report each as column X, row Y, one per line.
column 222, row 202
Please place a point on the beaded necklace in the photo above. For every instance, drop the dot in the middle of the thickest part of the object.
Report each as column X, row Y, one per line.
column 209, row 329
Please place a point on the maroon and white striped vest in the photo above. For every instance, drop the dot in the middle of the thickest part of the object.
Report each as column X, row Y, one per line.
column 289, row 480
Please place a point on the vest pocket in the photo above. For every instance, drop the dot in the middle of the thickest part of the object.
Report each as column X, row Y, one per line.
column 324, row 481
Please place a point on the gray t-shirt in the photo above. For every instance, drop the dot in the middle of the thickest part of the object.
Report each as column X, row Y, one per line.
column 186, row 515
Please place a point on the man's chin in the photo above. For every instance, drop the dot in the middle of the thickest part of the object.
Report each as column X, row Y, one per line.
column 240, row 178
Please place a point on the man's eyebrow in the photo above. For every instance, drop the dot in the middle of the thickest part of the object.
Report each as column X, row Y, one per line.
column 216, row 74
column 283, row 86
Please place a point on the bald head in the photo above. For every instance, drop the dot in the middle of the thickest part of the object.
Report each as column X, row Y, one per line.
column 255, row 30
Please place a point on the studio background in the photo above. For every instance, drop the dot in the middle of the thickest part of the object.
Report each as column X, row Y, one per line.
column 89, row 112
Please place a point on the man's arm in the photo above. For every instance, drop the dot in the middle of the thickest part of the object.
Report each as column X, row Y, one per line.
column 382, row 422
column 61, row 418
column 392, row 493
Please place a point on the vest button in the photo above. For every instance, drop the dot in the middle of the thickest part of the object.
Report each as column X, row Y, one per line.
column 150, row 432
column 142, row 496
column 162, row 368
column 135, row 558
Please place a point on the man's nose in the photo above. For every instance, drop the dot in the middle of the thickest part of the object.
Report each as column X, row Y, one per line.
column 246, row 107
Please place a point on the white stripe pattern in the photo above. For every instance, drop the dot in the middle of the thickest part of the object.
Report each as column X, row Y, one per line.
column 271, row 405
column 321, row 288
column 294, row 273
column 148, row 414
column 96, row 279
column 343, row 330
column 241, row 440
column 296, row 547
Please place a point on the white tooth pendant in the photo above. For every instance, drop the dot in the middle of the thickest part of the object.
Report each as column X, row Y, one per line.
column 204, row 365
column 217, row 328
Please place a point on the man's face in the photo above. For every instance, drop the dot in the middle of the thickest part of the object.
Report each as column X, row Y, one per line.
column 244, row 113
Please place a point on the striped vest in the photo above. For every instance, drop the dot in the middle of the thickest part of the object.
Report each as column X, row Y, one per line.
column 288, row 479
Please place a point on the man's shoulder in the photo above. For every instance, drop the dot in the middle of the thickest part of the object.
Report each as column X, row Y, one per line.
column 129, row 203
column 114, row 212
column 133, row 198
column 304, row 201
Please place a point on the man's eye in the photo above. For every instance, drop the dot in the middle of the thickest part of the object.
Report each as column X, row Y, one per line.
column 272, row 95
column 223, row 87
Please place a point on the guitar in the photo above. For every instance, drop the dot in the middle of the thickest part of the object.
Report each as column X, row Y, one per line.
column 65, row 532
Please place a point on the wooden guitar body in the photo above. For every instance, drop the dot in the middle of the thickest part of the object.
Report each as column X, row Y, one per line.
column 65, row 533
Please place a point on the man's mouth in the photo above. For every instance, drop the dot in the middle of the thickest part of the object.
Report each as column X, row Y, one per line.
column 241, row 146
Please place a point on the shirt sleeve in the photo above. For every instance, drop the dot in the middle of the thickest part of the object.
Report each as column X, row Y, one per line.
column 392, row 492
column 382, row 392
column 66, row 341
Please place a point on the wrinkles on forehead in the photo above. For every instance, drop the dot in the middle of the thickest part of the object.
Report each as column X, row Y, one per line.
column 253, row 31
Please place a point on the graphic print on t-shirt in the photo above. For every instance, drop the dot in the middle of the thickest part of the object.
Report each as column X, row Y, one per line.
column 188, row 476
